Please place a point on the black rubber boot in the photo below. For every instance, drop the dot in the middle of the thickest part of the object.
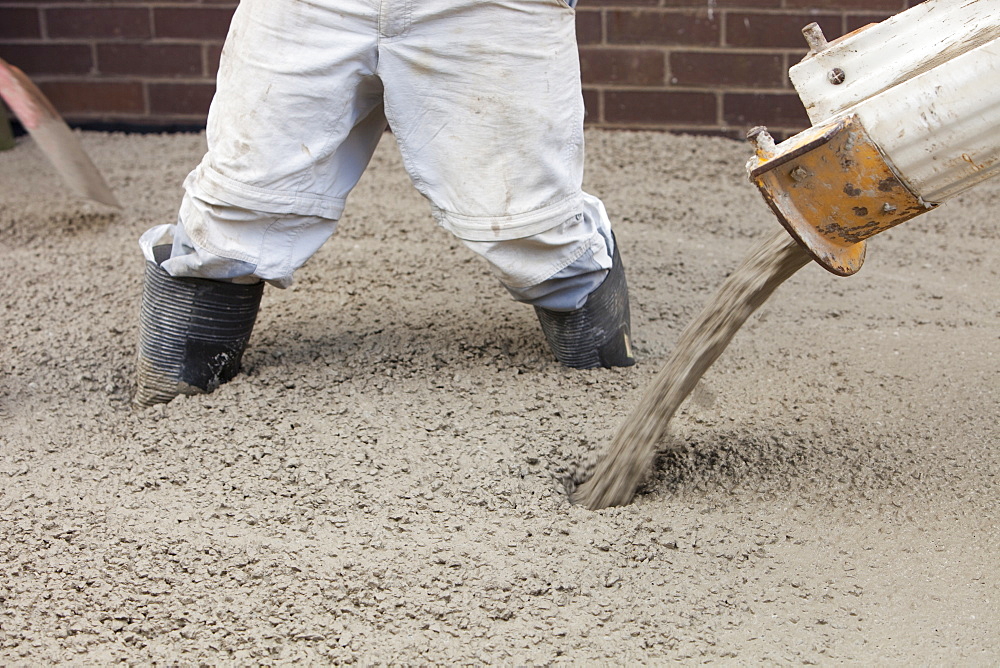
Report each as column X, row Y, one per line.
column 598, row 334
column 192, row 332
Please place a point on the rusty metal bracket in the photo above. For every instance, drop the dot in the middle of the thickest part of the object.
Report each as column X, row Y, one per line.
column 832, row 188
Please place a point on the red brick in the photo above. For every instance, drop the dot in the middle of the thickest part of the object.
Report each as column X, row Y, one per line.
column 635, row 67
column 19, row 23
column 777, row 30
column 75, row 96
column 660, row 108
column 721, row 68
column 49, row 58
column 589, row 27
column 592, row 104
column 212, row 54
column 107, row 22
column 622, row 3
column 160, row 60
column 181, row 99
column 664, row 28
column 192, row 23
column 721, row 4
column 835, row 5
column 778, row 109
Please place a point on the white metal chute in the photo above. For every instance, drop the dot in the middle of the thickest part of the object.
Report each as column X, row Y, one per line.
column 905, row 114
column 882, row 55
column 941, row 129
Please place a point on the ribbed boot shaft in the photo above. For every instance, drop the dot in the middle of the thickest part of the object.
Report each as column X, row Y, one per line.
column 192, row 334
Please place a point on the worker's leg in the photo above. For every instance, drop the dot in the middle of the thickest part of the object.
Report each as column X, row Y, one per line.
column 491, row 132
column 296, row 117
column 582, row 300
column 557, row 268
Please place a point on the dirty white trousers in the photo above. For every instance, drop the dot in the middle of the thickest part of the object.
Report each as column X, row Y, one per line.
column 483, row 99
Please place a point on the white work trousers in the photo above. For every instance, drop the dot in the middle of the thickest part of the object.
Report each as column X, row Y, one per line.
column 484, row 101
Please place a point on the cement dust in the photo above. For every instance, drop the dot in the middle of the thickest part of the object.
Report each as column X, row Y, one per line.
column 622, row 468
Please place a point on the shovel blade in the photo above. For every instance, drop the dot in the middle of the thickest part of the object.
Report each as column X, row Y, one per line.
column 58, row 143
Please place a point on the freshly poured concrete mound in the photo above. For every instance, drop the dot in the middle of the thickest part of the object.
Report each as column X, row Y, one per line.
column 381, row 483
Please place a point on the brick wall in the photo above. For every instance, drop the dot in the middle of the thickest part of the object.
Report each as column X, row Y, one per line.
column 716, row 66
column 123, row 63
